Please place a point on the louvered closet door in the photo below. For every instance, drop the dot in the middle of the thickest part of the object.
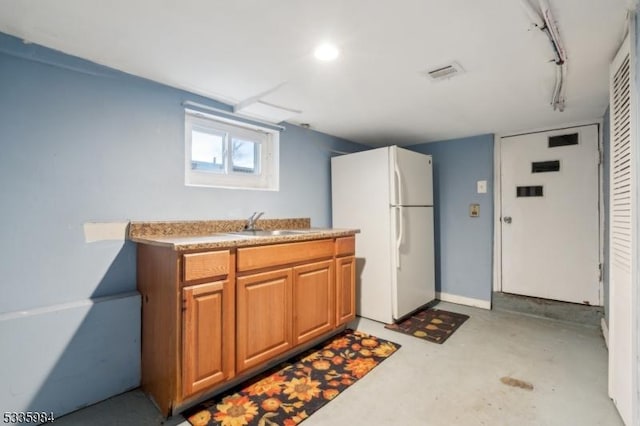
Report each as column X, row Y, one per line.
column 622, row 260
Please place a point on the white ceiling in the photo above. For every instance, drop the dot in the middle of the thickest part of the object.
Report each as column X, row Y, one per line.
column 375, row 92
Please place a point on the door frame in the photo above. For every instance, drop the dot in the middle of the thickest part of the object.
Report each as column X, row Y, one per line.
column 497, row 199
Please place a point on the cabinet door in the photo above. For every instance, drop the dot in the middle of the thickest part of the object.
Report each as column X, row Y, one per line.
column 313, row 300
column 208, row 336
column 264, row 317
column 345, row 289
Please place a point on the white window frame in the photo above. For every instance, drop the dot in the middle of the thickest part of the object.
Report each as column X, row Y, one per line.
column 267, row 179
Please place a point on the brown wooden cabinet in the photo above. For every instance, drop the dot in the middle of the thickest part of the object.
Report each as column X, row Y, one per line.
column 345, row 280
column 273, row 282
column 207, row 336
column 213, row 318
column 313, row 300
column 188, row 322
column 345, row 289
column 264, row 317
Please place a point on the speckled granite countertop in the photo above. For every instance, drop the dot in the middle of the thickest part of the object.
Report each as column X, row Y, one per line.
column 213, row 234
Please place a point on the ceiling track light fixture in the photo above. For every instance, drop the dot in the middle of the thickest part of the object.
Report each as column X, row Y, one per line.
column 544, row 21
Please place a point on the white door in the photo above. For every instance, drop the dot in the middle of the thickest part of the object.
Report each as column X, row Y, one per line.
column 550, row 219
column 413, row 276
column 623, row 258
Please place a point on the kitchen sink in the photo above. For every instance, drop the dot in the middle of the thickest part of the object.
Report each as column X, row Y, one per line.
column 272, row 232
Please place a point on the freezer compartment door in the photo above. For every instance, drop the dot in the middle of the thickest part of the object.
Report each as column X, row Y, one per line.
column 411, row 178
column 413, row 277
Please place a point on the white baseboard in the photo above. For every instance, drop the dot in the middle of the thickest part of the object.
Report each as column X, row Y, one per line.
column 461, row 300
column 605, row 331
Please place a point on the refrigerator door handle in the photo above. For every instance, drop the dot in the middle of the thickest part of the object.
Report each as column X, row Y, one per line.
column 400, row 236
column 396, row 171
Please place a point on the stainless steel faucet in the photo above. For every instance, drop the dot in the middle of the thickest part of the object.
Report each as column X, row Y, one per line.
column 250, row 225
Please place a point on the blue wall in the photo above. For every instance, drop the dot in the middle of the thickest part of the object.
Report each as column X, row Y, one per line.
column 84, row 143
column 464, row 245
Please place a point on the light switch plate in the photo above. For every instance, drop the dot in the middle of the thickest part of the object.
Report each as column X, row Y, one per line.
column 482, row 187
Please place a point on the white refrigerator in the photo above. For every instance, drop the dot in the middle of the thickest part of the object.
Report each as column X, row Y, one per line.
column 387, row 193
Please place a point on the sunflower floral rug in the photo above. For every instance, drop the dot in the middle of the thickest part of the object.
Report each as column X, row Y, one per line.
column 290, row 393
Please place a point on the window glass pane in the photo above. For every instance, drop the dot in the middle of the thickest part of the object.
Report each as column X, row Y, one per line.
column 207, row 152
column 245, row 156
column 223, row 153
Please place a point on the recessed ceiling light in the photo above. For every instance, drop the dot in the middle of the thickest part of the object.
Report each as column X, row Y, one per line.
column 326, row 52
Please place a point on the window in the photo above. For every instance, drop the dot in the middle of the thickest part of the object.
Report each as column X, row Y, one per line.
column 225, row 153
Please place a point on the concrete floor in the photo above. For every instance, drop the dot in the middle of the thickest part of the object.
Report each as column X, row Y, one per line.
column 552, row 309
column 457, row 383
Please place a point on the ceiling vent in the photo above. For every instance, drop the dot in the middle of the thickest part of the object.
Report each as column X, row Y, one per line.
column 445, row 72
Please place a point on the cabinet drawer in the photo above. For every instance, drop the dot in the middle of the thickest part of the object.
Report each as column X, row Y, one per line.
column 210, row 264
column 345, row 246
column 250, row 258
